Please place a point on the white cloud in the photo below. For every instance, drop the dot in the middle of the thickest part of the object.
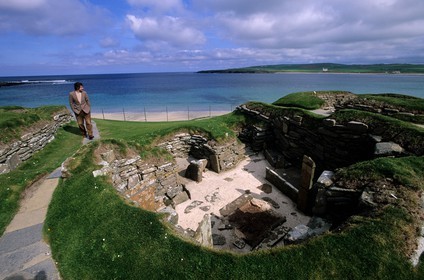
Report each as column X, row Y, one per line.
column 304, row 23
column 160, row 5
column 51, row 17
column 171, row 30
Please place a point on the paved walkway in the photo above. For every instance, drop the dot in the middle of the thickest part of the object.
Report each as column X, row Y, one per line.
column 24, row 254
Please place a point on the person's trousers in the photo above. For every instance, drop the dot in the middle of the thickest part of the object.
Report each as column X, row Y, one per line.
column 86, row 129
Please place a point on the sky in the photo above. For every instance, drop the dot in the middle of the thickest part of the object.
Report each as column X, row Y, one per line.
column 58, row 37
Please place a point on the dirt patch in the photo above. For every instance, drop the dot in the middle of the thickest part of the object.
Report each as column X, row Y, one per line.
column 254, row 220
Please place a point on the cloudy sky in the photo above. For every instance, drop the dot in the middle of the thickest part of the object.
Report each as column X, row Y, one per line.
column 124, row 36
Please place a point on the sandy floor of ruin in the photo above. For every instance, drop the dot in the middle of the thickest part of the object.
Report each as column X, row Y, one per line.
column 217, row 190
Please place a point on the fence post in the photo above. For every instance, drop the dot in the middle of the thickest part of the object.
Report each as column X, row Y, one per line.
column 166, row 113
column 103, row 114
column 145, row 116
column 123, row 111
column 188, row 113
column 210, row 115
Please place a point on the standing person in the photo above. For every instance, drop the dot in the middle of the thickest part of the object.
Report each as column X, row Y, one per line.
column 80, row 105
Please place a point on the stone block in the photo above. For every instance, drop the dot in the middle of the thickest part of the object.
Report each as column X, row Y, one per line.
column 108, row 156
column 281, row 184
column 180, row 198
column 4, row 168
column 357, row 127
column 214, row 163
column 329, row 122
column 133, row 181
column 194, row 171
column 387, row 149
column 203, row 233
column 13, row 161
column 326, row 178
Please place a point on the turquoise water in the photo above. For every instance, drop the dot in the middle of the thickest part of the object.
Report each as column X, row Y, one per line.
column 179, row 91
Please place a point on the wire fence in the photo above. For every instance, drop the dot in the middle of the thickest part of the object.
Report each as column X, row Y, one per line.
column 166, row 113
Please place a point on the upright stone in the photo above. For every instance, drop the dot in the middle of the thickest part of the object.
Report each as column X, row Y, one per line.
column 204, row 232
column 214, row 160
column 13, row 161
column 194, row 171
column 306, row 177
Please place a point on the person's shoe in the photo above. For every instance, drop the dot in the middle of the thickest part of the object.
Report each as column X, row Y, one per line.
column 90, row 137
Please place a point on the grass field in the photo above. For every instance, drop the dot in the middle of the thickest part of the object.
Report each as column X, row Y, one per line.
column 95, row 234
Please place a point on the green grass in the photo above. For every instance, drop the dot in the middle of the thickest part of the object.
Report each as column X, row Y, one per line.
column 305, row 100
column 94, row 234
column 143, row 133
column 12, row 184
column 400, row 100
column 14, row 118
column 408, row 171
column 332, row 68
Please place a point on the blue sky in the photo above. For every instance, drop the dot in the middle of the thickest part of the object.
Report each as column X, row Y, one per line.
column 48, row 37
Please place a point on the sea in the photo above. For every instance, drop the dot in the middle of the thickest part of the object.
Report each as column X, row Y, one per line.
column 111, row 93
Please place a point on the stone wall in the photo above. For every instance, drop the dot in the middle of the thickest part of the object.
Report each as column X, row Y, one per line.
column 153, row 186
column 149, row 186
column 329, row 144
column 13, row 154
column 220, row 157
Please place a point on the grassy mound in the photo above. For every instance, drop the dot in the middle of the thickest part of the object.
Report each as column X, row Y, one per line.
column 94, row 234
column 15, row 119
column 305, row 100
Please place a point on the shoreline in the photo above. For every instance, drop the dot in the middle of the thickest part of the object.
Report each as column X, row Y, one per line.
column 158, row 116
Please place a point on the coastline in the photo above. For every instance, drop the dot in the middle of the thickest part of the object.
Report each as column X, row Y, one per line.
column 158, row 116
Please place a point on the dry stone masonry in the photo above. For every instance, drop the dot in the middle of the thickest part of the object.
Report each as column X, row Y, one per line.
column 153, row 186
column 290, row 139
column 13, row 154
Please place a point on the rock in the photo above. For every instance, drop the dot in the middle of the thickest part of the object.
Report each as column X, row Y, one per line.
column 358, row 127
column 218, row 239
column 239, row 243
column 180, row 198
column 387, row 149
column 13, row 161
column 108, row 156
column 274, row 204
column 297, row 234
column 101, row 172
column 329, row 122
column 204, row 232
column 326, row 178
column 194, row 171
column 174, row 191
column 172, row 215
column 4, row 168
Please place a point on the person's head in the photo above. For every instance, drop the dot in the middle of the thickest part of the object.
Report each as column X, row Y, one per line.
column 77, row 85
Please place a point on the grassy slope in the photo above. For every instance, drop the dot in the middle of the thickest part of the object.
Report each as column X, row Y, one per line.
column 144, row 133
column 306, row 100
column 13, row 119
column 95, row 235
column 45, row 161
column 332, row 68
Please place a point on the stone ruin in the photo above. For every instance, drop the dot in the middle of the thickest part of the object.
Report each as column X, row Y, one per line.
column 245, row 224
column 301, row 158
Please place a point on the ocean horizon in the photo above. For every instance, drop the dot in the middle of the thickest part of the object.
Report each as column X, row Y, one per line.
column 182, row 91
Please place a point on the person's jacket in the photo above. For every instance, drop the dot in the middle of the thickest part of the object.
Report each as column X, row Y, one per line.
column 77, row 106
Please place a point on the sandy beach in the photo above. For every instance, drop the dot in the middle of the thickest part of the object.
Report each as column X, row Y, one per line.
column 157, row 116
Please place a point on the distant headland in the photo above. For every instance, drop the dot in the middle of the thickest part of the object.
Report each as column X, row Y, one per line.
column 328, row 68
